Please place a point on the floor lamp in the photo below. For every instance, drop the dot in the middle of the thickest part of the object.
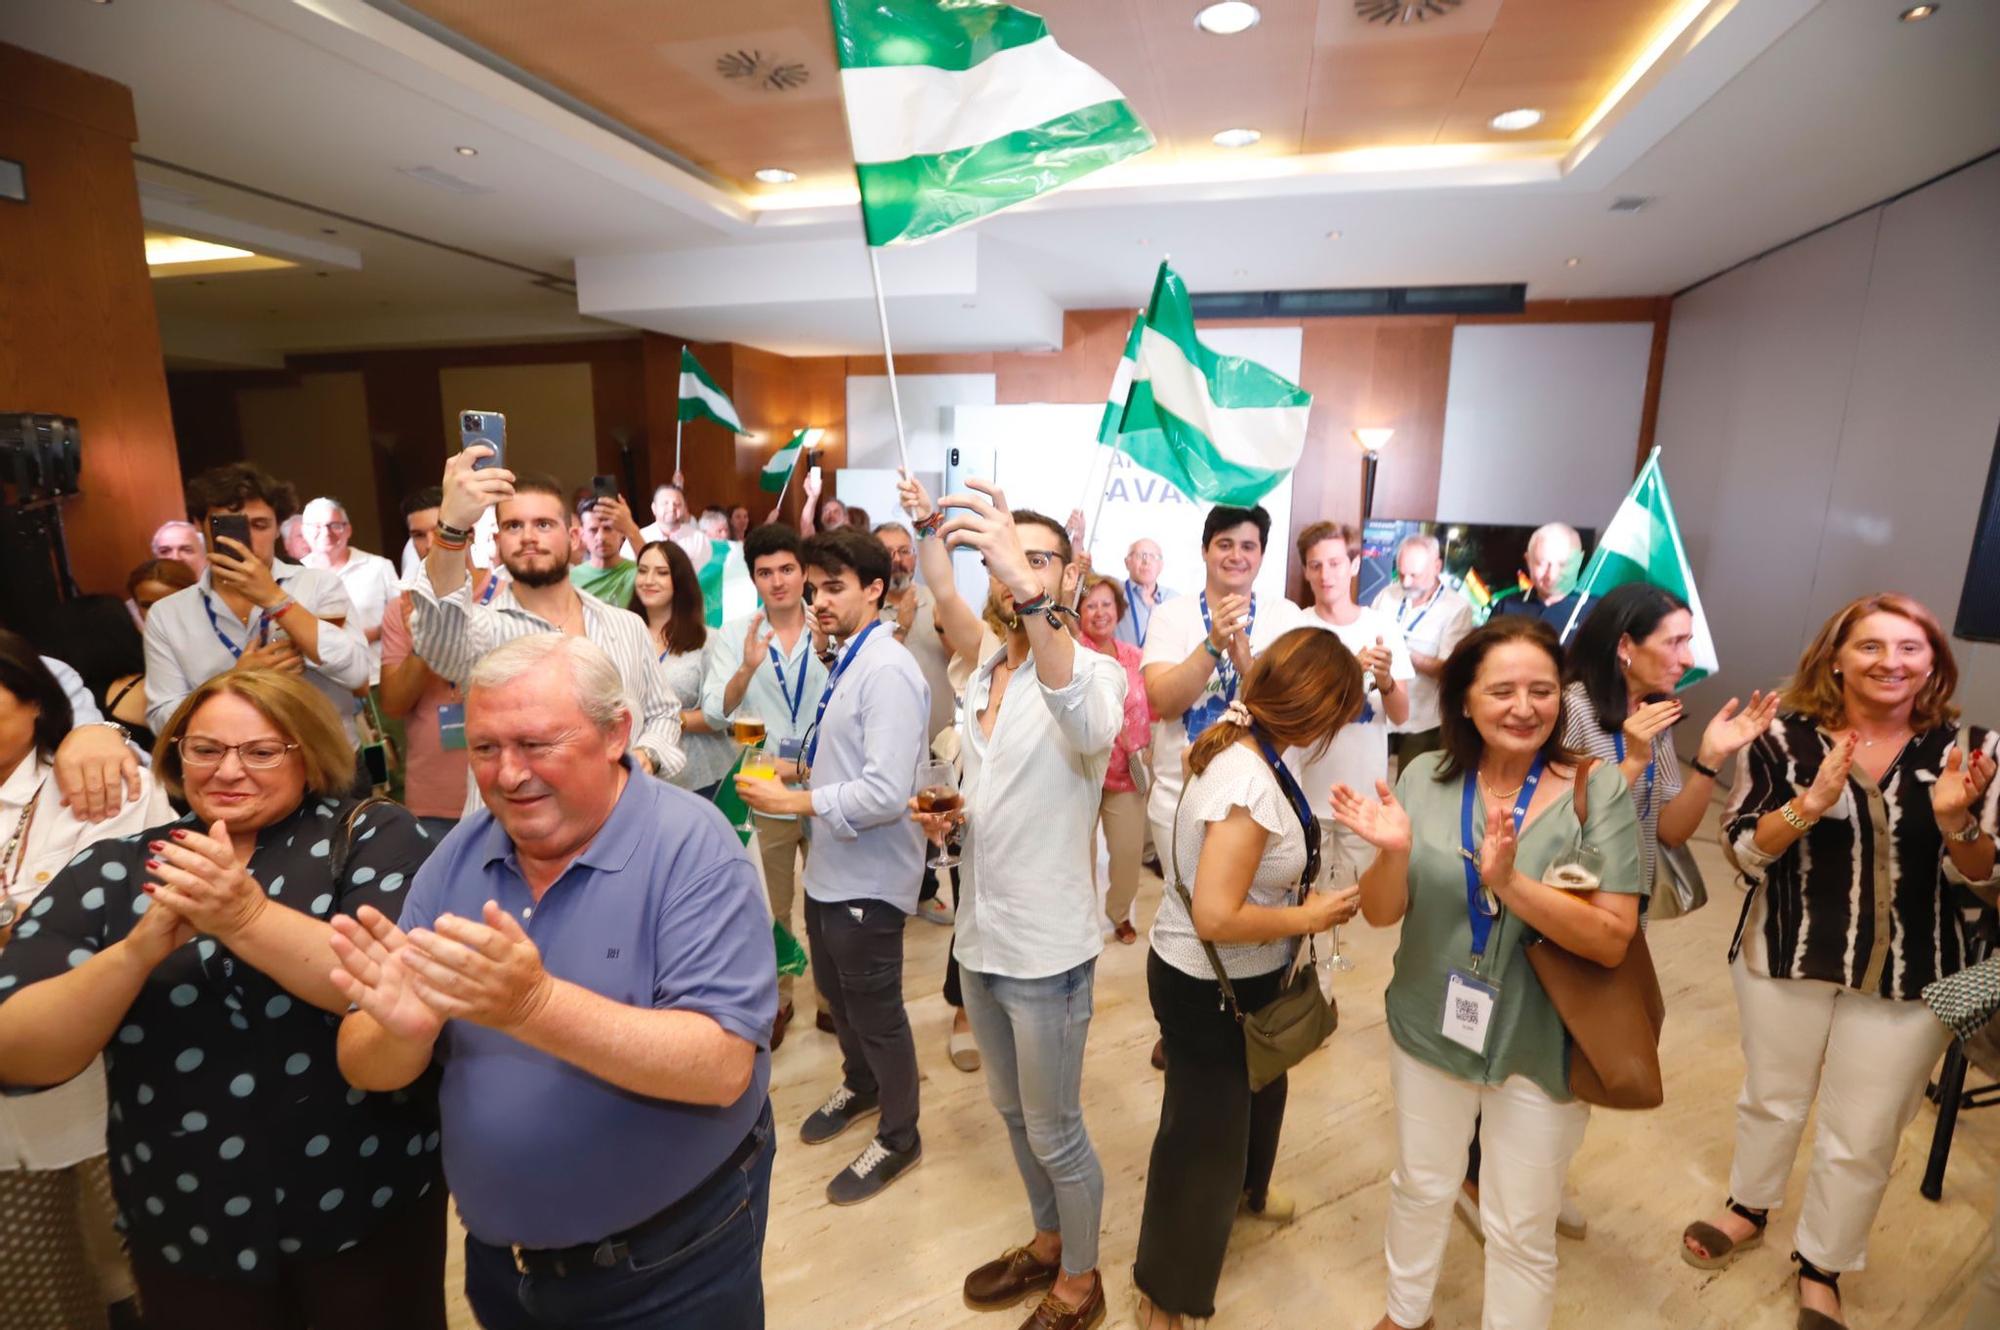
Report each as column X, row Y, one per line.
column 1372, row 442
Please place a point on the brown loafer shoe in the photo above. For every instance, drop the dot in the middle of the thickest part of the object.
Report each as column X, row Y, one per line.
column 1052, row 1313
column 1159, row 1058
column 778, row 1026
column 1004, row 1281
column 823, row 1022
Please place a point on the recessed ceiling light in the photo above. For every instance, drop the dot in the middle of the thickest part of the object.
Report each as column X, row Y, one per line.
column 1571, row 263
column 164, row 251
column 1333, row 235
column 776, row 175
column 1237, row 138
column 1917, row 13
column 464, row 151
column 1520, row 118
column 1227, row 18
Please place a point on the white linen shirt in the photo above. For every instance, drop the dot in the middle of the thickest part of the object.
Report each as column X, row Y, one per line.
column 371, row 583
column 185, row 650
column 63, row 1125
column 1027, row 901
column 1432, row 630
column 763, row 695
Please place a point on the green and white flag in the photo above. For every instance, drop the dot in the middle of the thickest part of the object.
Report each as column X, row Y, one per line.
column 1222, row 428
column 959, row 108
column 778, row 470
column 702, row 400
column 1643, row 544
column 1121, row 384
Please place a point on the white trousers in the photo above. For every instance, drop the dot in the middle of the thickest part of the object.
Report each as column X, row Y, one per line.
column 1526, row 1142
column 1866, row 1059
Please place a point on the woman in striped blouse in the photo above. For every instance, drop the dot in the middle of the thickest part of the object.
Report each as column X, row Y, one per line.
column 1859, row 819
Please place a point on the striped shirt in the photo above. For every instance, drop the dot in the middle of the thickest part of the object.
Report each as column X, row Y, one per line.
column 452, row 633
column 1867, row 898
column 1650, row 793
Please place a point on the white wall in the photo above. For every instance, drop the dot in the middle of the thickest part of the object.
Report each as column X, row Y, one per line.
column 1541, row 421
column 1827, row 419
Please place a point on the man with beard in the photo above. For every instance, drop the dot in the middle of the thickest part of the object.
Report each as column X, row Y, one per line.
column 860, row 766
column 451, row 630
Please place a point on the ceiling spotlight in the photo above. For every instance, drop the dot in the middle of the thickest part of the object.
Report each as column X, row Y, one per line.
column 1227, row 18
column 1571, row 263
column 775, row 175
column 1520, row 118
column 1916, row 13
column 464, row 151
column 1237, row 138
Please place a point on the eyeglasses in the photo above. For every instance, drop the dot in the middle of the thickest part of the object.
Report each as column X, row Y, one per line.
column 257, row 755
column 1037, row 559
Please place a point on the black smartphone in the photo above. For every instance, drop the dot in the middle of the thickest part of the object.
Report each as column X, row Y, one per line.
column 604, row 487
column 233, row 526
column 1651, row 698
column 484, row 427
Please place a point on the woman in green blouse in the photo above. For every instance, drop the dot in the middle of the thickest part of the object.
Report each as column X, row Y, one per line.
column 1465, row 849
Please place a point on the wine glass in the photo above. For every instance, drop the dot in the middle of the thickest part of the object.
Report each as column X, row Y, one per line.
column 937, row 792
column 1580, row 868
column 1341, row 874
column 747, row 728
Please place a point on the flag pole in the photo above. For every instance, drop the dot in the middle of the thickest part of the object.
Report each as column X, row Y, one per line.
column 677, row 438
column 790, row 471
column 889, row 359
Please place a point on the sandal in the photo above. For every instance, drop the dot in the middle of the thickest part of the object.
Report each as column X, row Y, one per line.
column 1721, row 1248
column 1809, row 1319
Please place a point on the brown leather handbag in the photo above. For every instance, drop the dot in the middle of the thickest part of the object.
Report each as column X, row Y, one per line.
column 1613, row 1015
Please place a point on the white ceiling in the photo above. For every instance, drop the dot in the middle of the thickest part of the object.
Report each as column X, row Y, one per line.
column 1785, row 115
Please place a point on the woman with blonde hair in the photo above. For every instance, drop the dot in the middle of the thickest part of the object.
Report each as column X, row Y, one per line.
column 256, row 1188
column 1859, row 818
column 1247, row 837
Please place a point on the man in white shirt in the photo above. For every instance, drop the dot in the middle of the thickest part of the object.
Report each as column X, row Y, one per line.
column 370, row 580
column 671, row 521
column 1035, row 736
column 1198, row 648
column 180, row 541
column 766, row 664
column 910, row 610
column 1434, row 618
column 451, row 630
column 251, row 609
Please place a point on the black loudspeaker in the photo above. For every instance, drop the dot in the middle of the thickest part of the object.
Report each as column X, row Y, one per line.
column 41, row 458
column 1979, row 601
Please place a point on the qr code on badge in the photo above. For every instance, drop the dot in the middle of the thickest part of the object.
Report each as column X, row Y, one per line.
column 1466, row 1009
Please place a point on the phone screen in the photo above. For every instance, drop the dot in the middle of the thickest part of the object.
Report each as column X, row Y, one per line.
column 233, row 526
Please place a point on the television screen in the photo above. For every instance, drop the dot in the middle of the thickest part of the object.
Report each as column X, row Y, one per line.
column 1496, row 556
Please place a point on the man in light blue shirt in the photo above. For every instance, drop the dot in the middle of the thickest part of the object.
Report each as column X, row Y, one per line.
column 1143, row 592
column 860, row 764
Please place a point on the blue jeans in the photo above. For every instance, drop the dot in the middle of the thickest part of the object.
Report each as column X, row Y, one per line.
column 1030, row 1034
column 703, row 1271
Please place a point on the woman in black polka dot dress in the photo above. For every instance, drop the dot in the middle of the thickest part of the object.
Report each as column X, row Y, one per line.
column 257, row 1189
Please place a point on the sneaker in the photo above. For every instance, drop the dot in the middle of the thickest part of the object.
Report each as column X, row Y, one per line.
column 964, row 1050
column 872, row 1170
column 935, row 911
column 842, row 1110
column 1570, row 1222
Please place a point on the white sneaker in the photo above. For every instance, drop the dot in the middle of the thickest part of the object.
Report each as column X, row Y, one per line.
column 935, row 911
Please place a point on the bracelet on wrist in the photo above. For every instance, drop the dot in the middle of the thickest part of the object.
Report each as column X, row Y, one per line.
column 928, row 526
column 438, row 539
column 1795, row 818
column 1213, row 650
column 277, row 611
column 461, row 534
column 1968, row 834
column 1713, row 773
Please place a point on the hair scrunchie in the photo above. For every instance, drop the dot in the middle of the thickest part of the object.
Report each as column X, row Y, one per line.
column 1237, row 714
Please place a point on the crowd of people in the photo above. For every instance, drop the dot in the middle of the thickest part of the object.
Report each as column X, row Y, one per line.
column 332, row 886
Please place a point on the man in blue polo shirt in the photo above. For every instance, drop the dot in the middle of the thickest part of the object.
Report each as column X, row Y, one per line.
column 590, row 962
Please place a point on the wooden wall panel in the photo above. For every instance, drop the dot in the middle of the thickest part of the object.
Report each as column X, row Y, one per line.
column 79, row 335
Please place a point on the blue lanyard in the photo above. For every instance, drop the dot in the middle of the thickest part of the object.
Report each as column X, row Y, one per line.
column 1482, row 922
column 1404, row 604
column 812, row 745
column 263, row 630
column 492, row 587
column 1308, row 820
column 1645, row 805
column 797, row 697
column 1209, row 709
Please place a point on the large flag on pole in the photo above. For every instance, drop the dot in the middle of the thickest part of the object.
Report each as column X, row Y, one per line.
column 1121, row 384
column 959, row 108
column 778, row 470
column 1643, row 544
column 1221, row 428
column 702, row 400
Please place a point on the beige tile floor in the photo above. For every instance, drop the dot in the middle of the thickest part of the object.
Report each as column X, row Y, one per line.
column 897, row 1261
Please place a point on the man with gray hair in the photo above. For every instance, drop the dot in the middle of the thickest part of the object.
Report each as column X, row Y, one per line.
column 1434, row 617
column 181, row 542
column 589, row 959
column 1554, row 557
column 369, row 579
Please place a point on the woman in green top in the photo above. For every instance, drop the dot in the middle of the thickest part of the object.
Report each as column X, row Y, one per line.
column 1464, row 850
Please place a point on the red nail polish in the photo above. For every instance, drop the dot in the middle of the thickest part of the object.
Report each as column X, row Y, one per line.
column 156, row 845
column 152, row 863
column 180, row 835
